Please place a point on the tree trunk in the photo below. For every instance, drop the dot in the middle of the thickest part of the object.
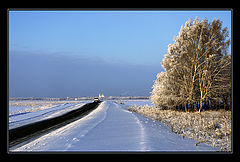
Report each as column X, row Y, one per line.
column 200, row 106
column 208, row 104
column 225, row 103
column 214, row 105
column 204, row 105
column 195, row 106
column 218, row 104
column 186, row 107
column 230, row 102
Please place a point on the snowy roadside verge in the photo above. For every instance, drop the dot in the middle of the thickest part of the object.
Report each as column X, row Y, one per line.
column 23, row 133
column 210, row 127
column 64, row 138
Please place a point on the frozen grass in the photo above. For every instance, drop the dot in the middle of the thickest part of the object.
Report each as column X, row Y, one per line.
column 211, row 127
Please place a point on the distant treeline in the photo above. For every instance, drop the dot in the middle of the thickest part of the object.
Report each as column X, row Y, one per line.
column 77, row 98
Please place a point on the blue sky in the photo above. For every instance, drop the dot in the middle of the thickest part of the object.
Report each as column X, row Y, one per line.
column 82, row 53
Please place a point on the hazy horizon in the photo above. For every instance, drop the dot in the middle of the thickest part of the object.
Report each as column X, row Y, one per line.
column 84, row 53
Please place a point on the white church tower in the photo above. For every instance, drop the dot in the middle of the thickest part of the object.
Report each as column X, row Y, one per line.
column 100, row 96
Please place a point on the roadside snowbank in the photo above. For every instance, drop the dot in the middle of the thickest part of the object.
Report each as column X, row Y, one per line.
column 211, row 127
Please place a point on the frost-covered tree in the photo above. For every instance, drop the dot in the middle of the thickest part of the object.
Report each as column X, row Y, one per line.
column 222, row 88
column 194, row 64
column 165, row 92
column 159, row 94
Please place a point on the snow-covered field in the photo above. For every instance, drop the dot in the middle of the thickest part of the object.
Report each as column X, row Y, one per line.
column 111, row 127
column 25, row 112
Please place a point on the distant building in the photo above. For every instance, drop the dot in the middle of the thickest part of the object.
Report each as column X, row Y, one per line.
column 100, row 96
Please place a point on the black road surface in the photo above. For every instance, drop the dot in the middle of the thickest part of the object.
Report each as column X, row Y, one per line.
column 26, row 132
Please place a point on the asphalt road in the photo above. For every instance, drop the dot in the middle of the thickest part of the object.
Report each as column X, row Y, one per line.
column 33, row 130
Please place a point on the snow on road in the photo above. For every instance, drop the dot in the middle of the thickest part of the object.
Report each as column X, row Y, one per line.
column 111, row 127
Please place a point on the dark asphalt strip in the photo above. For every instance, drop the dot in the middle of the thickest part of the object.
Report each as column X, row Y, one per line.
column 26, row 132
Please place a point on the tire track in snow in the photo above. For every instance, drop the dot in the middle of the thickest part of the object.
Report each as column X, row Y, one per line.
column 142, row 130
column 142, row 140
column 101, row 112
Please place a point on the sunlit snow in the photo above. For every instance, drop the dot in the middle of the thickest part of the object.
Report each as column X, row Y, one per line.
column 111, row 127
